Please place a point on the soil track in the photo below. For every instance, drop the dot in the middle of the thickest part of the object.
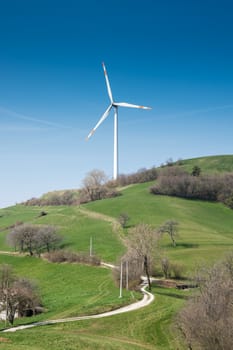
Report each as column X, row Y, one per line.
column 147, row 299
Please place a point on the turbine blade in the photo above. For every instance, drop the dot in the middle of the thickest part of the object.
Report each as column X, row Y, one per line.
column 104, row 116
column 108, row 84
column 125, row 104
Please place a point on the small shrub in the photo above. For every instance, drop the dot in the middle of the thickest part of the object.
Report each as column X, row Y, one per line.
column 177, row 270
column 166, row 267
column 206, row 321
column 141, row 176
column 196, row 171
column 174, row 181
column 60, row 256
column 57, row 256
column 123, row 219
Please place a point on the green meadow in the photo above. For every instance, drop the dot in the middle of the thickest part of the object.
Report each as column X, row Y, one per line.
column 205, row 236
column 149, row 328
column 75, row 228
column 205, row 229
column 211, row 164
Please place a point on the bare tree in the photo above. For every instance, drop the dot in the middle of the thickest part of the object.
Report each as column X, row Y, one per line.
column 207, row 320
column 23, row 238
column 170, row 227
column 132, row 269
column 48, row 238
column 166, row 267
column 27, row 296
column 33, row 238
column 228, row 263
column 6, row 280
column 142, row 243
column 94, row 182
column 17, row 295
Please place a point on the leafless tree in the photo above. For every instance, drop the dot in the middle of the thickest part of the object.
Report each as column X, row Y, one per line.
column 95, row 187
column 170, row 227
column 48, row 238
column 166, row 267
column 207, row 320
column 16, row 294
column 142, row 244
column 93, row 183
column 132, row 269
column 23, row 238
column 228, row 263
column 33, row 238
column 142, row 175
column 174, row 181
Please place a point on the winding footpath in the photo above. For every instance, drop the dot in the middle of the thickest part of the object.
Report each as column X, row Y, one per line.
column 146, row 300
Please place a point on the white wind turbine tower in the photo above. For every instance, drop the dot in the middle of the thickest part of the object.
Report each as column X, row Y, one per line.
column 114, row 105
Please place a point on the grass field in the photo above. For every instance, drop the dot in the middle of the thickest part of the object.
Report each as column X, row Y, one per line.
column 149, row 328
column 205, row 235
column 212, row 164
column 69, row 289
column 206, row 229
column 75, row 228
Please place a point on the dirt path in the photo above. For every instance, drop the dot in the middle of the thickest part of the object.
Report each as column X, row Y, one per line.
column 147, row 299
column 4, row 252
column 116, row 226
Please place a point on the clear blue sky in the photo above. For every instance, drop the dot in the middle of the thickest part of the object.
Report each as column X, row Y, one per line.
column 175, row 56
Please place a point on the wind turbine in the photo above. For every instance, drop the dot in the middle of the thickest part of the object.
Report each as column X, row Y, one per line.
column 114, row 105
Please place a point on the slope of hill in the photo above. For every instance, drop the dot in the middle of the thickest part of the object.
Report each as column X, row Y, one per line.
column 206, row 234
column 206, row 229
column 211, row 164
column 75, row 228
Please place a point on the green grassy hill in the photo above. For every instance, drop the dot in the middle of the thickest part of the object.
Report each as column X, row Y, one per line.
column 206, row 229
column 75, row 227
column 146, row 329
column 206, row 234
column 211, row 164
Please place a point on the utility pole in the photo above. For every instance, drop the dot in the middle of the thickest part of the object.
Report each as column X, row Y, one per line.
column 91, row 246
column 127, row 274
column 121, row 272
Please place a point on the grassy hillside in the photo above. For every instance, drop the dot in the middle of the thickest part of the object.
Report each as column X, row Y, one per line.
column 146, row 329
column 75, row 228
column 206, row 229
column 206, row 234
column 68, row 289
column 212, row 164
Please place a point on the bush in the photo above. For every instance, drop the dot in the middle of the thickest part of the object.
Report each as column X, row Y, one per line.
column 177, row 270
column 33, row 238
column 123, row 219
column 67, row 197
column 141, row 176
column 97, row 193
column 196, row 171
column 173, row 181
column 17, row 295
column 207, row 319
column 166, row 267
column 132, row 278
column 60, row 256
